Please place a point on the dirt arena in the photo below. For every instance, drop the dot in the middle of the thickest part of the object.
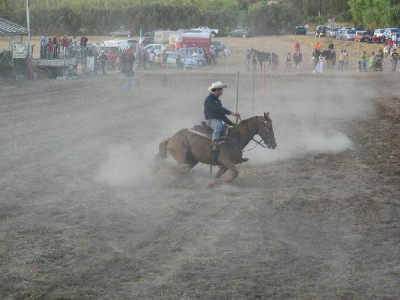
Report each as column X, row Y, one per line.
column 86, row 213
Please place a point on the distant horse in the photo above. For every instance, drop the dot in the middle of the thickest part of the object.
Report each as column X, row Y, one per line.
column 190, row 148
column 330, row 57
column 297, row 58
column 270, row 57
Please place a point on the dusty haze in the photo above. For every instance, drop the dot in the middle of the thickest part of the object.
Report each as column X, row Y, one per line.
column 86, row 213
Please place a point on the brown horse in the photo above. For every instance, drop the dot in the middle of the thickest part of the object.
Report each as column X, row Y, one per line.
column 189, row 148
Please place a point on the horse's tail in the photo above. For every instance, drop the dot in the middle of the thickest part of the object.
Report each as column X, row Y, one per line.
column 163, row 152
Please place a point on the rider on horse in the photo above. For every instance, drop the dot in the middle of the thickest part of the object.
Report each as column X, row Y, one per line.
column 215, row 113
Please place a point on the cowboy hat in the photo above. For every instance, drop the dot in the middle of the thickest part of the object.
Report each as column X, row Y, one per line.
column 217, row 85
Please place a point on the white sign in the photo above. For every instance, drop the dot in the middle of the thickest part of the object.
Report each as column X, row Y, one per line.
column 90, row 64
column 20, row 50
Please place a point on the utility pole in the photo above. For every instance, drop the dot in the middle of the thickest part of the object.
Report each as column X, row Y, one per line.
column 29, row 40
column 320, row 8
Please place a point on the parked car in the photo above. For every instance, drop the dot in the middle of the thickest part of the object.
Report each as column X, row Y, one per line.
column 362, row 36
column 133, row 43
column 341, row 32
column 151, row 33
column 390, row 31
column 200, row 58
column 121, row 32
column 241, row 32
column 333, row 32
column 219, row 46
column 321, row 30
column 173, row 61
column 349, row 35
column 155, row 47
column 378, row 36
column 147, row 41
column 379, row 32
column 300, row 30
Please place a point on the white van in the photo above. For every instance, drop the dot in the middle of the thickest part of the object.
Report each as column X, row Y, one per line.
column 115, row 45
column 155, row 47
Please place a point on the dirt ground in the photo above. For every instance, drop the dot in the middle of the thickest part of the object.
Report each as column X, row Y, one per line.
column 86, row 213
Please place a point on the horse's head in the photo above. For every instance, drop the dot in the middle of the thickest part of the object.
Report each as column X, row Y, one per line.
column 266, row 131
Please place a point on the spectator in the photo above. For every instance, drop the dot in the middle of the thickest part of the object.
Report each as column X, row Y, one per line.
column 288, row 60
column 389, row 45
column 103, row 62
column 346, row 59
column 84, row 41
column 297, row 47
column 213, row 56
column 43, row 46
column 320, row 65
column 394, row 59
column 372, row 61
column 55, row 50
column 254, row 61
column 364, row 61
column 341, row 60
column 248, row 57
column 152, row 59
column 49, row 48
column 164, row 58
column 58, row 38
column 331, row 46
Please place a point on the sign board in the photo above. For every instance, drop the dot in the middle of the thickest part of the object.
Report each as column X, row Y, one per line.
column 90, row 64
column 19, row 50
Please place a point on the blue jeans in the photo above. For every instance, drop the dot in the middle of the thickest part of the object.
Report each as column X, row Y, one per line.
column 217, row 126
column 128, row 83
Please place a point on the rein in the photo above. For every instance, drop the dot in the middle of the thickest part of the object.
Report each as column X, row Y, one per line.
column 257, row 142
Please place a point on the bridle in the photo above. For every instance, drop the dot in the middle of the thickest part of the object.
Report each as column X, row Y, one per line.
column 258, row 143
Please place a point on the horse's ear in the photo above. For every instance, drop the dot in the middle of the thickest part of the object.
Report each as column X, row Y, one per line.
column 266, row 115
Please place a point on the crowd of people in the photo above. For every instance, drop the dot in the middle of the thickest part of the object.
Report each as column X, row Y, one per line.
column 56, row 46
column 373, row 61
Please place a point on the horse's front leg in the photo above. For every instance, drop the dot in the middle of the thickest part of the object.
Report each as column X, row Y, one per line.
column 222, row 170
column 227, row 163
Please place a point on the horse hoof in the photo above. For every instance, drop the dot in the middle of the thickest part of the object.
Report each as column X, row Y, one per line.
column 211, row 185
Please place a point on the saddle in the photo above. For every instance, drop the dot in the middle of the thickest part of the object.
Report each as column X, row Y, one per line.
column 203, row 130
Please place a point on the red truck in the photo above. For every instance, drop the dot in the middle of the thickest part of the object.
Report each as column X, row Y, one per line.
column 193, row 39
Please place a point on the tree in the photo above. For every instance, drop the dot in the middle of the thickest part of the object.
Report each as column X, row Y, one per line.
column 370, row 13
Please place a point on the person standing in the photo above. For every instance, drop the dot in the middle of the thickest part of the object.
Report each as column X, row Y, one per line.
column 129, row 72
column 341, row 60
column 288, row 60
column 394, row 59
column 317, row 52
column 216, row 115
column 103, row 62
column 49, row 48
column 372, row 61
column 43, row 45
column 320, row 65
column 55, row 50
column 248, row 57
column 84, row 41
column 297, row 47
column 364, row 61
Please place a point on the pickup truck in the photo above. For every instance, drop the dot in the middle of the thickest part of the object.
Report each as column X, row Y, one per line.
column 212, row 32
